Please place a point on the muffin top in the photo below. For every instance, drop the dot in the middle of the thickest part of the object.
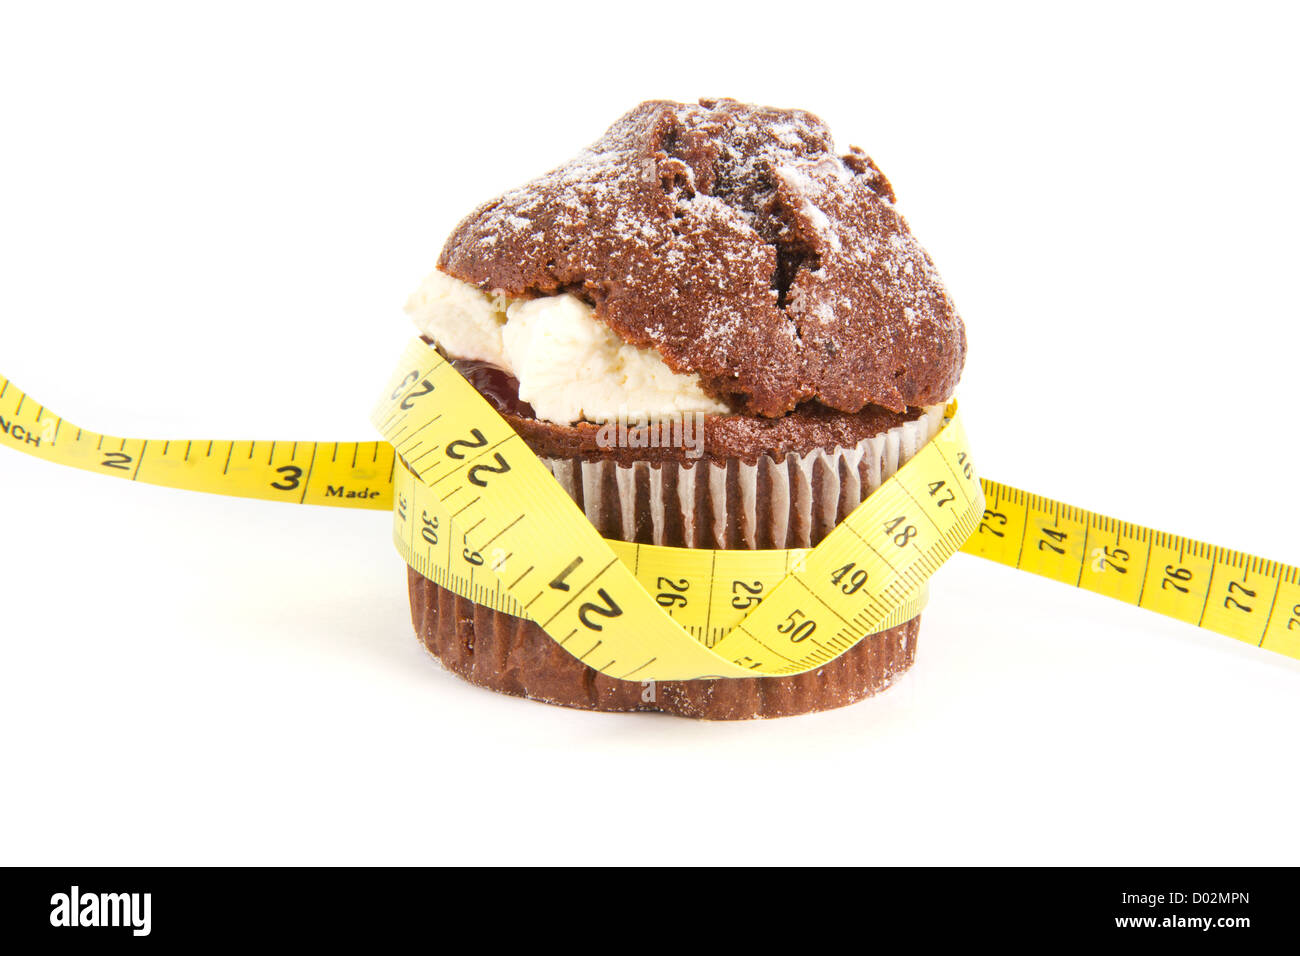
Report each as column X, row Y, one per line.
column 736, row 242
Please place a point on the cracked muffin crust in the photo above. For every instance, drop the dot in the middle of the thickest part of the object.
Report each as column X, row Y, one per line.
column 739, row 244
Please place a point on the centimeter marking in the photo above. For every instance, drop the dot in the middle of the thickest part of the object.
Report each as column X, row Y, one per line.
column 1233, row 593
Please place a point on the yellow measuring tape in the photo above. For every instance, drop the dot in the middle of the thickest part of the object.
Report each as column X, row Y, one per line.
column 1230, row 592
column 478, row 513
column 477, row 498
column 347, row 474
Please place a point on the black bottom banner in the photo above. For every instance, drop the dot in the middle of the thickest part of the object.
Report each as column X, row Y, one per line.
column 1222, row 907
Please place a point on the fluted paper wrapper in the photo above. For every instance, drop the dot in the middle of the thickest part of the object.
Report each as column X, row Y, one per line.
column 773, row 502
column 792, row 502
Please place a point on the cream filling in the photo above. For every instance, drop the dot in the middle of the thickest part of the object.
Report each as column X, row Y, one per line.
column 570, row 366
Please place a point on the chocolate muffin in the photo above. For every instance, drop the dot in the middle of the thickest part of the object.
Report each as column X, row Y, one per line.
column 724, row 270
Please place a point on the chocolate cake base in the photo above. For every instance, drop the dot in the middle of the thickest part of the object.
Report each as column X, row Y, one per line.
column 514, row 656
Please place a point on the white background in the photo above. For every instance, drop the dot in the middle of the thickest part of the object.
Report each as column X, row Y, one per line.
column 210, row 222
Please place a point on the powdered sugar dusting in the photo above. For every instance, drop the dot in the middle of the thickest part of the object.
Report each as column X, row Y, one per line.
column 737, row 242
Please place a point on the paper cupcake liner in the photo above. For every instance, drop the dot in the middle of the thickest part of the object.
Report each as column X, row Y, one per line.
column 775, row 502
column 789, row 502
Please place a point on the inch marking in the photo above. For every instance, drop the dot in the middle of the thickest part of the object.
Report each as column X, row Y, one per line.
column 310, row 466
column 463, row 507
column 139, row 461
column 501, row 532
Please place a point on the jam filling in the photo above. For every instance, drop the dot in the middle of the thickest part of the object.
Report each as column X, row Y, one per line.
column 496, row 385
